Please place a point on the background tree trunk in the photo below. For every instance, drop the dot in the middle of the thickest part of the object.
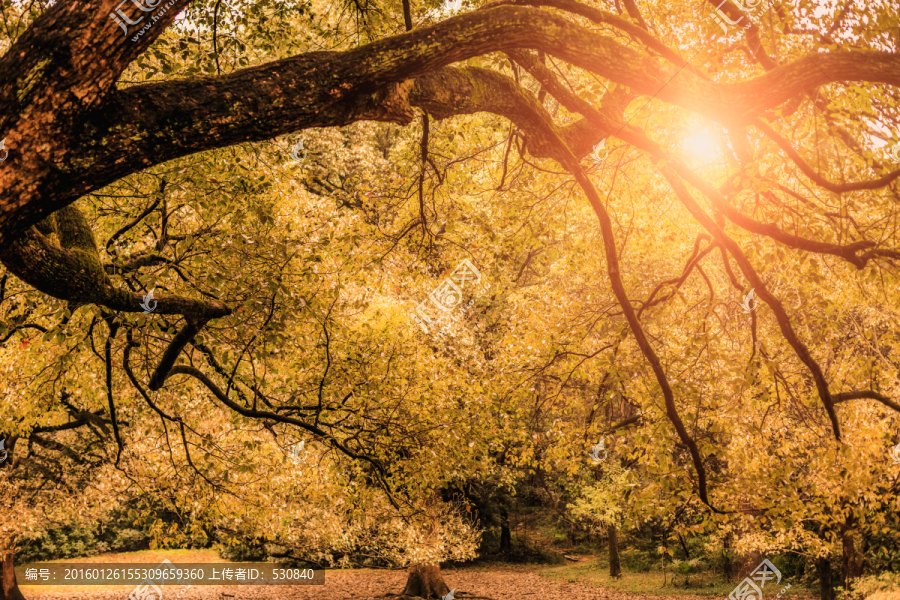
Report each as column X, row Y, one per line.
column 425, row 581
column 615, row 567
column 826, row 586
column 727, row 567
column 505, row 537
column 852, row 556
column 9, row 588
column 748, row 562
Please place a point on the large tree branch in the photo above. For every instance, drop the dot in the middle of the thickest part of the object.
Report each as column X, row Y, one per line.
column 785, row 145
column 59, row 257
column 451, row 91
column 173, row 350
column 153, row 123
column 604, row 123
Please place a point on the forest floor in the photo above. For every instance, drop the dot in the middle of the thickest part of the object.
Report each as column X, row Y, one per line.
column 500, row 582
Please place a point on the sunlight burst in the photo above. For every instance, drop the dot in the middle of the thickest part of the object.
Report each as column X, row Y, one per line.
column 701, row 146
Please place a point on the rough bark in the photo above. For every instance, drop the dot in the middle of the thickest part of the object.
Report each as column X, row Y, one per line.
column 9, row 588
column 615, row 566
column 70, row 131
column 59, row 257
column 425, row 581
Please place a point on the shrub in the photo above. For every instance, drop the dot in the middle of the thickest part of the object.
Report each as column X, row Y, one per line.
column 243, row 552
column 129, row 540
column 67, row 541
column 635, row 560
column 884, row 586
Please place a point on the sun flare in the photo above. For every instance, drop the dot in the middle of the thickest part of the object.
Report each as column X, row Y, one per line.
column 701, row 146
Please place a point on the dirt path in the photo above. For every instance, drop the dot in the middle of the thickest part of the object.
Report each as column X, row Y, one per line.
column 505, row 583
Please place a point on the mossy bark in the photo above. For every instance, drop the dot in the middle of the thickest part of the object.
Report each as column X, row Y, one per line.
column 59, row 257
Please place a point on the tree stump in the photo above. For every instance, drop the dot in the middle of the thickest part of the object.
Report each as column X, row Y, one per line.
column 425, row 581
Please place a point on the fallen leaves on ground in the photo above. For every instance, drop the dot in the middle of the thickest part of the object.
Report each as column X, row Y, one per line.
column 501, row 583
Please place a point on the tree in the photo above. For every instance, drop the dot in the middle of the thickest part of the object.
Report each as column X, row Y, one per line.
column 792, row 101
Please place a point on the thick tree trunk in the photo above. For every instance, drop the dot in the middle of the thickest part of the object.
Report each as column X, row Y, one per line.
column 9, row 588
column 615, row 567
column 425, row 581
column 826, row 585
column 505, row 536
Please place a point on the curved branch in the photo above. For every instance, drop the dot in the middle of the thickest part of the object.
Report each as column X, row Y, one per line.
column 262, row 414
column 18, row 327
column 869, row 394
column 694, row 261
column 113, row 328
column 641, row 339
column 762, row 291
column 612, row 261
column 148, row 123
column 813, row 175
column 639, row 32
column 123, row 230
column 60, row 259
column 181, row 339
